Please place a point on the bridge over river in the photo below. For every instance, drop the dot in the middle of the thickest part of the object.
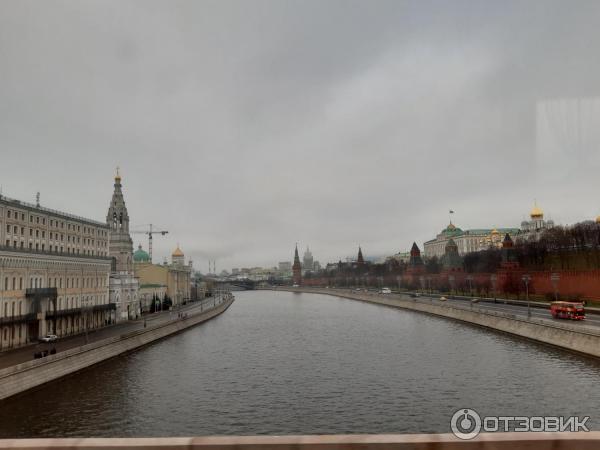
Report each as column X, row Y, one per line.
column 279, row 363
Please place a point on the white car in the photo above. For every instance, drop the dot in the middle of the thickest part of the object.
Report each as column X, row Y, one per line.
column 49, row 338
column 385, row 291
column 295, row 286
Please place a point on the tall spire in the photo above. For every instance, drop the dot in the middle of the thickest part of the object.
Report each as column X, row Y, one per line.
column 117, row 218
column 360, row 260
column 297, row 268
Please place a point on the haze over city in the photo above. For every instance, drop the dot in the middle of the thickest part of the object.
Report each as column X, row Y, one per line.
column 246, row 127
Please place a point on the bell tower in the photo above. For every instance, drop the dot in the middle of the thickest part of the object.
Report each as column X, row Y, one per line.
column 120, row 242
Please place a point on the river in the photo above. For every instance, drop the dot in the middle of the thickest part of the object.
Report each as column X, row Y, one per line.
column 288, row 363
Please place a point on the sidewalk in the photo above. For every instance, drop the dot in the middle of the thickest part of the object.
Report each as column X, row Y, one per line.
column 22, row 354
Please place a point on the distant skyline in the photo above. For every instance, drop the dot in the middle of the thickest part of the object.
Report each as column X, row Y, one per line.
column 243, row 127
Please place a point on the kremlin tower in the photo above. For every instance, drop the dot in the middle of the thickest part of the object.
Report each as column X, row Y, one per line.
column 297, row 268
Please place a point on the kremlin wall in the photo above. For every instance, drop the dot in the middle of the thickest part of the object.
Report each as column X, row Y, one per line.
column 446, row 272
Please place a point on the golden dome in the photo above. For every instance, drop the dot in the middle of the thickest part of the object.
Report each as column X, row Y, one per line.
column 494, row 231
column 177, row 251
column 118, row 176
column 536, row 212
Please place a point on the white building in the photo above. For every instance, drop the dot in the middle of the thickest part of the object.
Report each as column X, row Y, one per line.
column 533, row 229
column 123, row 285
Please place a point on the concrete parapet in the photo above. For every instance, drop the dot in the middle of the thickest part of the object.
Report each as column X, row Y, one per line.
column 484, row 441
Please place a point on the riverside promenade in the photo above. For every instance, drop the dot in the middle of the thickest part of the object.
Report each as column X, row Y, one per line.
column 21, row 377
column 23, row 354
column 575, row 337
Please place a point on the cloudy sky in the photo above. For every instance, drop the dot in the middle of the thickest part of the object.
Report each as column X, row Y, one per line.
column 243, row 127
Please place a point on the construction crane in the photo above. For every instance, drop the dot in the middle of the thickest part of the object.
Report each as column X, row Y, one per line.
column 149, row 232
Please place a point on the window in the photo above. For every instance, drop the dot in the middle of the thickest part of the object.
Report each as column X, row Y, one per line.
column 8, row 213
column 22, row 216
column 8, row 228
column 15, row 229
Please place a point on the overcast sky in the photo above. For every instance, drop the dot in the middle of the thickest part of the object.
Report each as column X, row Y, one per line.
column 243, row 127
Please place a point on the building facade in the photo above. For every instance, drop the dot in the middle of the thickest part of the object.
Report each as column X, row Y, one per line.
column 467, row 241
column 532, row 229
column 174, row 278
column 307, row 261
column 123, row 285
column 54, row 273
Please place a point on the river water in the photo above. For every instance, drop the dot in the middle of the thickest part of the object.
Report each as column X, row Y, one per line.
column 286, row 363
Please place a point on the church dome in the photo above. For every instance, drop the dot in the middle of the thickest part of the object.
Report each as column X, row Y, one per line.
column 140, row 255
column 495, row 231
column 536, row 212
column 177, row 252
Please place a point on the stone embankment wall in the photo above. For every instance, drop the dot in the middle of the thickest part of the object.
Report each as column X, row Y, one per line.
column 575, row 338
column 28, row 375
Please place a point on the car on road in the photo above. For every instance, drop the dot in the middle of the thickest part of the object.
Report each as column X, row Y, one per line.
column 415, row 294
column 49, row 338
column 385, row 291
column 443, row 299
column 295, row 285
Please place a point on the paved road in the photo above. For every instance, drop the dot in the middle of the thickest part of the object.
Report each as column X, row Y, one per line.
column 520, row 310
column 11, row 357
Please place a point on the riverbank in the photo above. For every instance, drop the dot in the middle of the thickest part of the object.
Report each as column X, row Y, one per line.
column 582, row 340
column 31, row 374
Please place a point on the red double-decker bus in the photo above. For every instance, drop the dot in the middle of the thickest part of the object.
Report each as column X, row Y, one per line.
column 567, row 310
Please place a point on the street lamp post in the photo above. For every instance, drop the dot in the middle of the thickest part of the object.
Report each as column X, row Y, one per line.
column 470, row 280
column 526, row 279
column 555, row 278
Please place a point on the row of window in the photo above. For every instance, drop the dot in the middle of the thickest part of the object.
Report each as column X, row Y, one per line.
column 55, row 223
column 57, row 282
column 55, row 248
column 57, row 236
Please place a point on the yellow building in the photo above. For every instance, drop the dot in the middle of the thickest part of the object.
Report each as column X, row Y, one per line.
column 173, row 279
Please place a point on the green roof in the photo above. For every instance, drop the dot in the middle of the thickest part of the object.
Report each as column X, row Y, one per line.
column 140, row 255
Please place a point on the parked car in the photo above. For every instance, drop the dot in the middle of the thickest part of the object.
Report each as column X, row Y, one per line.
column 443, row 299
column 385, row 291
column 49, row 338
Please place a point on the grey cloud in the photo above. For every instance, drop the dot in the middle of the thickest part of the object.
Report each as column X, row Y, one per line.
column 245, row 126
